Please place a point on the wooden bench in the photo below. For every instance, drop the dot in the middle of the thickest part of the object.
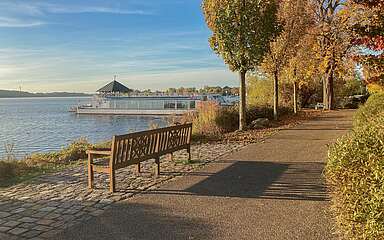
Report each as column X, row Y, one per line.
column 137, row 147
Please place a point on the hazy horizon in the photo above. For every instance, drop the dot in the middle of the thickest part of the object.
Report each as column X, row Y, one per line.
column 95, row 92
column 77, row 46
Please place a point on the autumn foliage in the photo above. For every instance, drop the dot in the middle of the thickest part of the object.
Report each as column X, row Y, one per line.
column 369, row 34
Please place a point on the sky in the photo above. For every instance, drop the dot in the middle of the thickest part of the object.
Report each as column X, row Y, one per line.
column 79, row 45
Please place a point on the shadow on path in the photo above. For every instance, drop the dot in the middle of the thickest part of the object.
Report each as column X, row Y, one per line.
column 252, row 179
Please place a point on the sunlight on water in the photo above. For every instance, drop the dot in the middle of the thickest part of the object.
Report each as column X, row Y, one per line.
column 44, row 124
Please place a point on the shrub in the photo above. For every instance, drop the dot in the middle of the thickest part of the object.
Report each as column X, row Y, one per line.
column 39, row 159
column 254, row 112
column 227, row 119
column 12, row 169
column 210, row 119
column 204, row 121
column 75, row 151
column 106, row 144
column 213, row 120
column 376, row 88
column 373, row 106
column 7, row 170
column 355, row 175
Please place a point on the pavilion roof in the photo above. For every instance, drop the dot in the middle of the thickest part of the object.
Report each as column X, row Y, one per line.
column 114, row 87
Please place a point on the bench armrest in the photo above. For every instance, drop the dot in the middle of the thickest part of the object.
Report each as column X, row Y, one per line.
column 100, row 151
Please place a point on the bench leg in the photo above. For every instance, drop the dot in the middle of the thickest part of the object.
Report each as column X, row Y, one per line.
column 157, row 160
column 90, row 172
column 138, row 168
column 189, row 153
column 112, row 184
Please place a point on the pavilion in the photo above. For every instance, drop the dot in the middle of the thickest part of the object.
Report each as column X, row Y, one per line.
column 114, row 88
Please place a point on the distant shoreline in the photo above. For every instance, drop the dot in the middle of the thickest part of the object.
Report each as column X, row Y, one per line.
column 18, row 94
column 80, row 96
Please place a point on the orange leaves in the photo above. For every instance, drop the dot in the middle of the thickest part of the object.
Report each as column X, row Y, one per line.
column 370, row 3
column 369, row 30
column 374, row 42
column 294, row 20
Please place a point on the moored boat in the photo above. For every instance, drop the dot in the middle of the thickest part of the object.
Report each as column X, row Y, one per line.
column 115, row 99
column 137, row 105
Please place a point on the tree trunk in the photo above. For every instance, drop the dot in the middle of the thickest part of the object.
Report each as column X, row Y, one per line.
column 295, row 97
column 306, row 95
column 242, row 107
column 328, row 97
column 276, row 96
column 331, row 94
column 325, row 92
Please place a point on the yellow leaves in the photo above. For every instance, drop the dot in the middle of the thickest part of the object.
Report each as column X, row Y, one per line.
column 302, row 68
column 260, row 91
column 294, row 20
column 375, row 88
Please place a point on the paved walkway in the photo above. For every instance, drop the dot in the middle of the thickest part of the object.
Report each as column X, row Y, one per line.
column 269, row 190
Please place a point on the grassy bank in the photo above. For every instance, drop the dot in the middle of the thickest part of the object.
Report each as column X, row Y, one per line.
column 355, row 174
column 15, row 171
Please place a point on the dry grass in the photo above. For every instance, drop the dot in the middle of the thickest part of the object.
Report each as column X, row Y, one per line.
column 39, row 163
column 10, row 169
column 74, row 152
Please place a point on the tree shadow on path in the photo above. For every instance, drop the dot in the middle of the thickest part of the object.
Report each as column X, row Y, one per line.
column 253, row 179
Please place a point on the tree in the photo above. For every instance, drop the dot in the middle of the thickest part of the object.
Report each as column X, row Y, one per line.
column 294, row 19
column 302, row 71
column 171, row 91
column 260, row 90
column 180, row 91
column 333, row 43
column 368, row 27
column 241, row 31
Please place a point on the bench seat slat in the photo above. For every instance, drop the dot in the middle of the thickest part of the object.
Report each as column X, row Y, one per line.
column 101, row 169
column 100, row 152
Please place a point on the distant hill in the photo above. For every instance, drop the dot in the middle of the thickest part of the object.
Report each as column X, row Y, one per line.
column 17, row 94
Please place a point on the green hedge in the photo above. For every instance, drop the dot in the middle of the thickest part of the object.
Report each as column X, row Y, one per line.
column 373, row 106
column 355, row 174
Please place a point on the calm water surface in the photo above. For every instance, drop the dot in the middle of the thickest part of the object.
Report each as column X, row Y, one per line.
column 44, row 124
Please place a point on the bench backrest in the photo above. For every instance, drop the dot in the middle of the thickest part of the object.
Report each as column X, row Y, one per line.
column 136, row 147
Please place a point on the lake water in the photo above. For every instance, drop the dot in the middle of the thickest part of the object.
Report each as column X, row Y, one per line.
column 44, row 124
